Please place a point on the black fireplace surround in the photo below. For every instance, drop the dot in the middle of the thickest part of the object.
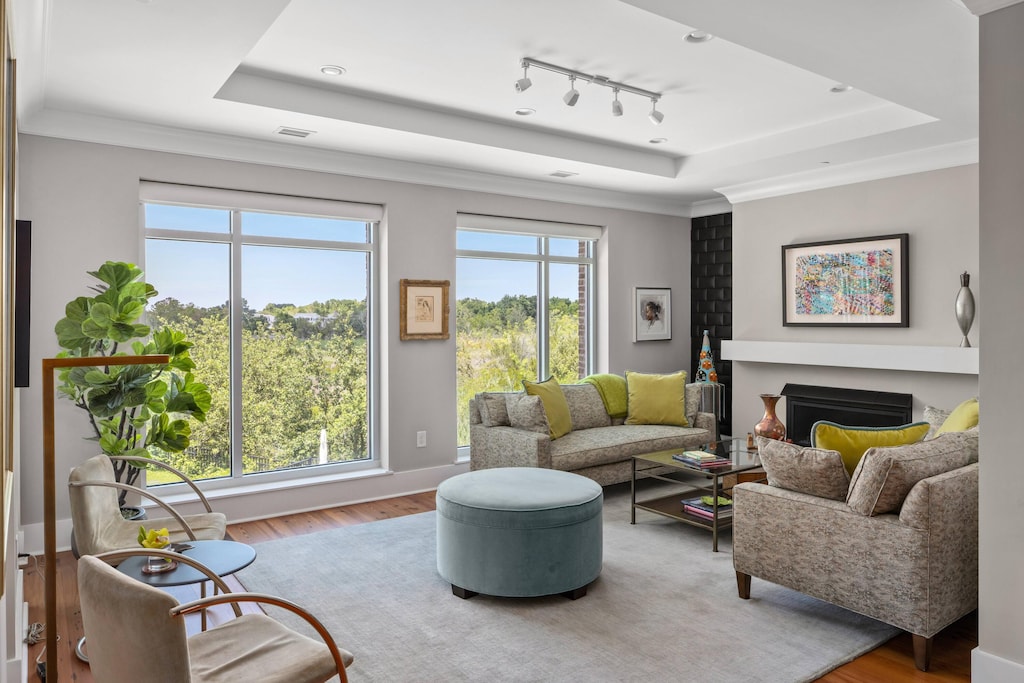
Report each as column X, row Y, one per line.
column 806, row 404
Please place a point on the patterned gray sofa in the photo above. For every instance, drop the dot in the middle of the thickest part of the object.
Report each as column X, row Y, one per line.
column 914, row 566
column 598, row 446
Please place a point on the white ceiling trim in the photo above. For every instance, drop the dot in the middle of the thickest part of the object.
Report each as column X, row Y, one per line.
column 120, row 133
column 980, row 7
column 918, row 161
column 710, row 207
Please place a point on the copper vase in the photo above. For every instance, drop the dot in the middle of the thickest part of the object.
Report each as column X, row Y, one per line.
column 770, row 426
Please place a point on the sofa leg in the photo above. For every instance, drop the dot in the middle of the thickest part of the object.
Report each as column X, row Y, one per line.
column 743, row 585
column 922, row 652
column 577, row 593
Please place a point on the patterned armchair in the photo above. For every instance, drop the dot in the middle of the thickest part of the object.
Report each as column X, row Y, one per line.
column 914, row 566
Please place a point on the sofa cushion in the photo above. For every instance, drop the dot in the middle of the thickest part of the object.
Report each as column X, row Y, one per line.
column 604, row 445
column 963, row 417
column 885, row 475
column 527, row 412
column 555, row 407
column 493, row 409
column 813, row 471
column 585, row 406
column 656, row 399
column 852, row 442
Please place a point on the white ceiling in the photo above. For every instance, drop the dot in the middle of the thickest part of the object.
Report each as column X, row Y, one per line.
column 428, row 94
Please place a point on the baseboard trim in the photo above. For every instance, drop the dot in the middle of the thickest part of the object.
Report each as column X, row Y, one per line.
column 990, row 668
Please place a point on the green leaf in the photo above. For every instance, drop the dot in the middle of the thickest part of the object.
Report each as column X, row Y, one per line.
column 117, row 274
column 92, row 329
column 102, row 314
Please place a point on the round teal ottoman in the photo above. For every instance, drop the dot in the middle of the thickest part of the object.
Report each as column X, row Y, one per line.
column 519, row 532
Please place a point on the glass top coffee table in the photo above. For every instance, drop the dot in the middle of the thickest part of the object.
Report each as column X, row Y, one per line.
column 684, row 505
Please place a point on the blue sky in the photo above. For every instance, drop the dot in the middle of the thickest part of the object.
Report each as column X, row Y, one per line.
column 199, row 272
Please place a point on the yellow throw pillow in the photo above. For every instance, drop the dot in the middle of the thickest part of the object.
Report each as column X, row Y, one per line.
column 555, row 405
column 963, row 417
column 852, row 442
column 656, row 399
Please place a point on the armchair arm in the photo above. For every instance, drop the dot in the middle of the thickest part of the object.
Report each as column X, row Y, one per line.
column 114, row 557
column 181, row 475
column 203, row 603
column 507, row 447
column 145, row 494
column 707, row 421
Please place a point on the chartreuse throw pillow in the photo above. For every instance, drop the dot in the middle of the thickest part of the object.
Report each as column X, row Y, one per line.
column 852, row 442
column 656, row 399
column 963, row 417
column 555, row 406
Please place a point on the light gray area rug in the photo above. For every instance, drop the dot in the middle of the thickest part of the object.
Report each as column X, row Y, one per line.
column 665, row 608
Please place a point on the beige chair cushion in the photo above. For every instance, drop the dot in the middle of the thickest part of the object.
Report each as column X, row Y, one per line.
column 813, row 471
column 884, row 476
column 254, row 647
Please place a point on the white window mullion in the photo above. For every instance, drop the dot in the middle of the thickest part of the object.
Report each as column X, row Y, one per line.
column 235, row 330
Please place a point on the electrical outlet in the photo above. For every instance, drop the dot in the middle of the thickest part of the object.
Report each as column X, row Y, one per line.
column 421, row 439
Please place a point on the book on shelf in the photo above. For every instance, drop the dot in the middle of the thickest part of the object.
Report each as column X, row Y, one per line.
column 698, row 506
column 704, row 514
column 698, row 455
column 703, row 463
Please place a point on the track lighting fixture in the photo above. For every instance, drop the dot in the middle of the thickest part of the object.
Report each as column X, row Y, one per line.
column 655, row 116
column 524, row 83
column 573, row 95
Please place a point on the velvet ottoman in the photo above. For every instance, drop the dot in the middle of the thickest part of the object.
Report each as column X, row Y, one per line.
column 519, row 532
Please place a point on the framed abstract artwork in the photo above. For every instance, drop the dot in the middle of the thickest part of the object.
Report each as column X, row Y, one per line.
column 423, row 309
column 652, row 313
column 859, row 282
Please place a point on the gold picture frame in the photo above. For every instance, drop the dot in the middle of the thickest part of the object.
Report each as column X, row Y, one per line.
column 8, row 155
column 423, row 309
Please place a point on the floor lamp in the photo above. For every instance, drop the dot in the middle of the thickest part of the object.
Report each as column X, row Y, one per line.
column 49, row 490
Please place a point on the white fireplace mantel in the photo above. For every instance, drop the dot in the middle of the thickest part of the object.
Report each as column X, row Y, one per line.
column 941, row 359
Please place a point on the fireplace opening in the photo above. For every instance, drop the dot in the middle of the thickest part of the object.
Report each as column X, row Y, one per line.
column 806, row 404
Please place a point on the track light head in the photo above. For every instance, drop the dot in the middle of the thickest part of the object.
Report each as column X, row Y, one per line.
column 655, row 116
column 573, row 96
column 524, row 83
column 616, row 105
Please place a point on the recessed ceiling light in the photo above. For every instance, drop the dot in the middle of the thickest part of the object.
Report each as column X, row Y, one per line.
column 332, row 70
column 825, row 163
column 525, row 111
column 698, row 36
column 563, row 174
column 657, row 141
column 841, row 87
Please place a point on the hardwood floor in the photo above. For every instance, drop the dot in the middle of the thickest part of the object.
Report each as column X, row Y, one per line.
column 893, row 662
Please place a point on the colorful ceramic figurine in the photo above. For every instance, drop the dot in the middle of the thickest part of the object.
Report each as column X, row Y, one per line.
column 706, row 365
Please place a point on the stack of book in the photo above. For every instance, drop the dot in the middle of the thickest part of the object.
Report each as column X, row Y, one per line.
column 702, row 508
column 701, row 459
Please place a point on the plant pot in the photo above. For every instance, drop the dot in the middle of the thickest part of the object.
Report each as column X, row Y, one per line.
column 131, row 513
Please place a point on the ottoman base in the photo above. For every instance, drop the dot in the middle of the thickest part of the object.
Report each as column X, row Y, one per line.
column 467, row 594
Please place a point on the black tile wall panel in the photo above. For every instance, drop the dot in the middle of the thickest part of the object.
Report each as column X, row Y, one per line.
column 711, row 297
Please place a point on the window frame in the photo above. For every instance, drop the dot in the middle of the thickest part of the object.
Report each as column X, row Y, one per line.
column 543, row 231
column 238, row 203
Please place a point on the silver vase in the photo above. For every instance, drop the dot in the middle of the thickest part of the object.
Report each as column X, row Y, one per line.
column 964, row 308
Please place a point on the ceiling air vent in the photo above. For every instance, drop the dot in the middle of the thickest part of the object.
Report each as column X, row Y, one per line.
column 563, row 174
column 294, row 132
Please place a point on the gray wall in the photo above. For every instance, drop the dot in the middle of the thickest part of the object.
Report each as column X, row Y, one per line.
column 83, row 201
column 1000, row 652
column 938, row 209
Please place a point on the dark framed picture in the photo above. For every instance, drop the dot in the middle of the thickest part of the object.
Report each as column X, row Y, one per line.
column 423, row 309
column 652, row 313
column 859, row 282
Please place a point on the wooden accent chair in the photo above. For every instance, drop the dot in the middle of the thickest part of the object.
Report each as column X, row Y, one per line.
column 137, row 632
column 96, row 515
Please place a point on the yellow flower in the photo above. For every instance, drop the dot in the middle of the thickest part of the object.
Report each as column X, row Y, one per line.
column 154, row 538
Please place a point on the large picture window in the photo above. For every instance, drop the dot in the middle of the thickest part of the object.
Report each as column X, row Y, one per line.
column 523, row 309
column 276, row 293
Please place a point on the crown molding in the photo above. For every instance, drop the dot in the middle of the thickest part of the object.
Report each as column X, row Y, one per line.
column 917, row 161
column 710, row 207
column 121, row 133
column 980, row 7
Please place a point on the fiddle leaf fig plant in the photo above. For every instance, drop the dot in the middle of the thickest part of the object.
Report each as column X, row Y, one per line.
column 131, row 408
